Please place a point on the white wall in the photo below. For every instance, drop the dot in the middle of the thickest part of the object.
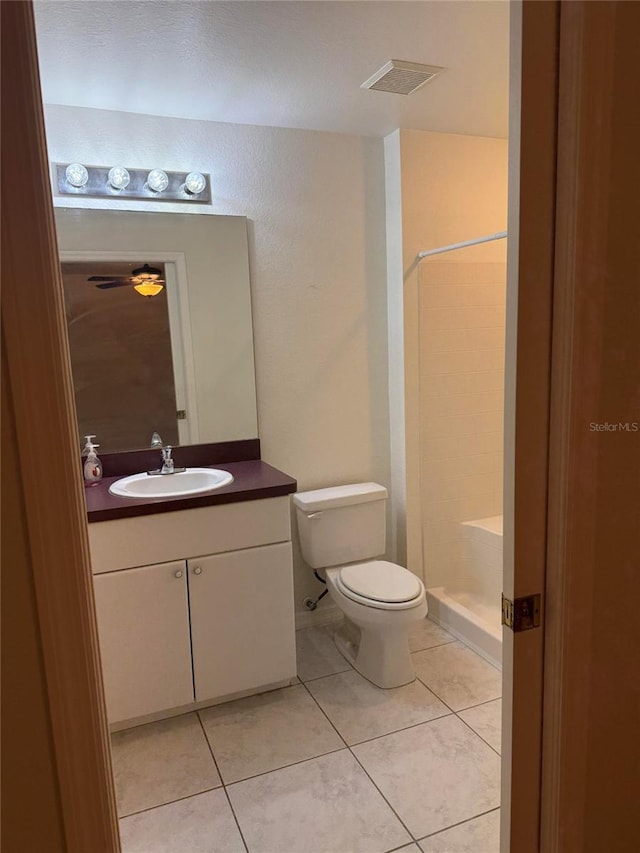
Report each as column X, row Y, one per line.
column 316, row 211
column 452, row 188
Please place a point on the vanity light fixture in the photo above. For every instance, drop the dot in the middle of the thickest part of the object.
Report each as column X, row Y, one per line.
column 75, row 179
column 157, row 180
column 118, row 178
column 77, row 175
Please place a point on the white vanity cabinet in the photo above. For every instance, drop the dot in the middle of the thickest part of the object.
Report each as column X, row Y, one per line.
column 194, row 628
column 143, row 624
column 241, row 612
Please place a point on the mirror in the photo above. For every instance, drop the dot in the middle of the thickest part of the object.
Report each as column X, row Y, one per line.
column 181, row 362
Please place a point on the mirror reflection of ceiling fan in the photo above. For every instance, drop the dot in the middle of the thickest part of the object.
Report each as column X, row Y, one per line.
column 146, row 280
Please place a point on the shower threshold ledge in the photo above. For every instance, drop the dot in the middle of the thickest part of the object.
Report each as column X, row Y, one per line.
column 469, row 618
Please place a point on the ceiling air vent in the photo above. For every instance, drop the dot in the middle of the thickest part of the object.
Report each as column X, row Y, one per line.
column 402, row 78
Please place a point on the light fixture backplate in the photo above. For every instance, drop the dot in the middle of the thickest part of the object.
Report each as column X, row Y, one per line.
column 98, row 185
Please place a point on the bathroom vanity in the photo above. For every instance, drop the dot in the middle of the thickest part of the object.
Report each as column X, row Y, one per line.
column 194, row 595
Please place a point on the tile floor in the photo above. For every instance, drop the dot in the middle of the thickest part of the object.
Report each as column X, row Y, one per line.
column 332, row 764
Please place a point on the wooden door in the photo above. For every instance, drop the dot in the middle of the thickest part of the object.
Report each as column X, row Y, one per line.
column 143, row 627
column 530, row 268
column 570, row 765
column 48, row 615
column 242, row 623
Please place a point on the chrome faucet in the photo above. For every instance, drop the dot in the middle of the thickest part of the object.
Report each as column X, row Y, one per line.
column 167, row 461
column 168, row 466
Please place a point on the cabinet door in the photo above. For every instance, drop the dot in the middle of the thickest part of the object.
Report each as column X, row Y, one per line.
column 143, row 627
column 242, row 622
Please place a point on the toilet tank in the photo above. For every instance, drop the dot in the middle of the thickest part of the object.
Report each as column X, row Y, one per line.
column 342, row 524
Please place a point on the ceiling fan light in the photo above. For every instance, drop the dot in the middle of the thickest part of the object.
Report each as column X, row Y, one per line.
column 148, row 288
column 77, row 175
column 147, row 273
column 194, row 183
column 118, row 177
column 157, row 180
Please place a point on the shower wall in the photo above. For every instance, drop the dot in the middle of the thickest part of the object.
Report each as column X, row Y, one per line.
column 462, row 325
column 441, row 188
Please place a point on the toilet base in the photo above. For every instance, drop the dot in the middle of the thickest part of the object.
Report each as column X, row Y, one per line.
column 386, row 664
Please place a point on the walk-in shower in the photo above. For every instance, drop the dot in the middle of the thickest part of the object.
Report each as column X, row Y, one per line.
column 461, row 387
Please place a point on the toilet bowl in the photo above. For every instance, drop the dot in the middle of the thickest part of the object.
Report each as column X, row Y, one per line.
column 341, row 528
column 379, row 649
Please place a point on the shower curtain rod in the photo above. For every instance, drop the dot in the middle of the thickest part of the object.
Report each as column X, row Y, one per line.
column 499, row 236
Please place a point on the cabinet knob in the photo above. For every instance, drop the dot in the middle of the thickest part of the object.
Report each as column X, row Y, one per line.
column 178, row 574
column 197, row 570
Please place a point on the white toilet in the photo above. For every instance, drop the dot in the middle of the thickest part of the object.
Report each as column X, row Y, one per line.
column 341, row 530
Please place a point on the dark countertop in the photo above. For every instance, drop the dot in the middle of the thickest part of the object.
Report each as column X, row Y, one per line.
column 252, row 480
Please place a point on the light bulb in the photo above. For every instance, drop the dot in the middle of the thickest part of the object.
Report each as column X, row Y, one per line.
column 157, row 180
column 118, row 177
column 194, row 183
column 77, row 175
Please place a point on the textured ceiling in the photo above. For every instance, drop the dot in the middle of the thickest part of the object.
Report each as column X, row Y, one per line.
column 285, row 64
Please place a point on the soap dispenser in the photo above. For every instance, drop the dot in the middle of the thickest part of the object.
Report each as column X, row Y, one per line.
column 92, row 465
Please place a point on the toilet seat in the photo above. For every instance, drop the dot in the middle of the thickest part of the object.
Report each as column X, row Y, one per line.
column 380, row 584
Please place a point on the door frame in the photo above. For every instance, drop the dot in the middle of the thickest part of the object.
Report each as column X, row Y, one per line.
column 41, row 408
column 534, row 34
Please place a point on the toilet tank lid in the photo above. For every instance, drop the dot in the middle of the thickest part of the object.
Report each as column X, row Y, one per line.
column 336, row 496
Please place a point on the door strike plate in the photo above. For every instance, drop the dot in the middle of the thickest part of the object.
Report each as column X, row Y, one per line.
column 521, row 614
column 181, row 415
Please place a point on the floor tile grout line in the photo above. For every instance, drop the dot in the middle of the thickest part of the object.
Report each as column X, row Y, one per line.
column 437, row 695
column 411, row 835
column 434, row 646
column 284, row 766
column 151, row 723
column 352, row 669
column 402, row 847
column 326, row 716
column 171, row 802
column 460, row 823
column 235, row 817
column 453, row 710
column 477, row 734
column 480, row 704
column 457, row 713
column 448, row 713
column 224, row 787
column 402, row 823
column 319, row 677
column 209, row 747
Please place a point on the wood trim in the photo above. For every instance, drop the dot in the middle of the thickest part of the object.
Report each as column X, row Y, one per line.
column 590, row 779
column 28, row 761
column 532, row 153
column 37, row 361
column 563, row 343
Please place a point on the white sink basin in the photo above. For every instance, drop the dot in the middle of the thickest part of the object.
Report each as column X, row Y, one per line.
column 193, row 481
